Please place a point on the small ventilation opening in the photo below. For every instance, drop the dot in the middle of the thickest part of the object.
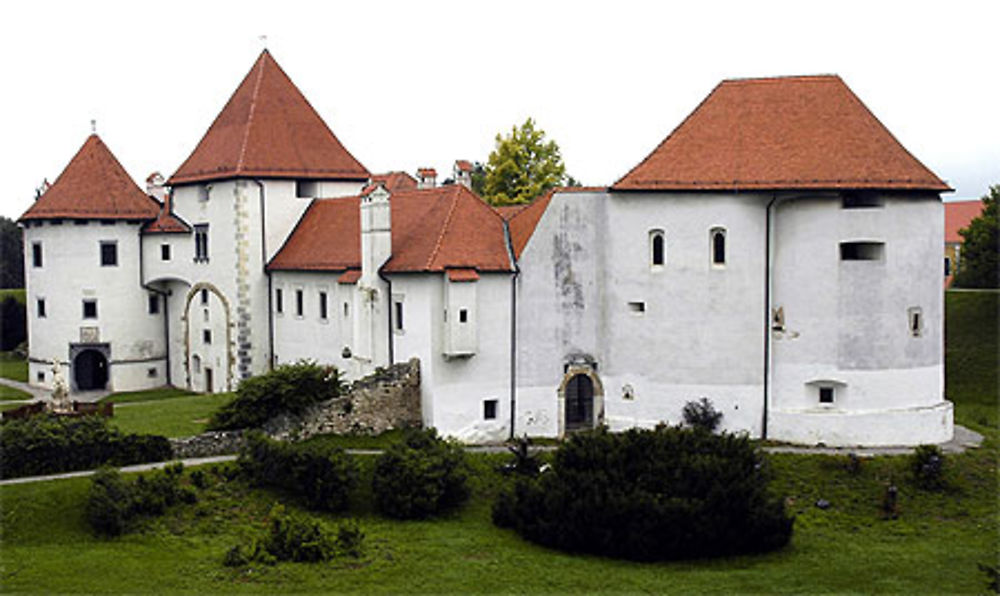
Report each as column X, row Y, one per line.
column 862, row 251
column 826, row 395
column 637, row 308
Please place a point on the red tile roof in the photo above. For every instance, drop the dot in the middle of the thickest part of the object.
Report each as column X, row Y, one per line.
column 93, row 185
column 508, row 211
column 462, row 275
column 351, row 276
column 423, row 172
column 268, row 129
column 395, row 181
column 780, row 133
column 432, row 230
column 166, row 222
column 463, row 165
column 957, row 215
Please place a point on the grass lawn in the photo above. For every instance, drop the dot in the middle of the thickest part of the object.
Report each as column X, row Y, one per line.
column 13, row 367
column 147, row 395
column 17, row 293
column 181, row 416
column 972, row 379
column 9, row 393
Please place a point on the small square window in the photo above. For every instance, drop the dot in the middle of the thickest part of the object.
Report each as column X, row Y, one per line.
column 637, row 308
column 41, row 377
column 206, row 336
column 109, row 254
column 826, row 395
column 164, row 252
column 90, row 309
column 490, row 409
column 154, row 304
column 41, row 308
column 151, row 373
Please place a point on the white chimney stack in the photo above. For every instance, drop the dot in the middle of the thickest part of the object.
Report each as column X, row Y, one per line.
column 426, row 178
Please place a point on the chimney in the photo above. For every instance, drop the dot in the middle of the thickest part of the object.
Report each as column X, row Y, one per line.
column 426, row 177
column 462, row 172
column 154, row 186
column 376, row 230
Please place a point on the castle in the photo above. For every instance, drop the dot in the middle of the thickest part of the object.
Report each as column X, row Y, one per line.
column 778, row 253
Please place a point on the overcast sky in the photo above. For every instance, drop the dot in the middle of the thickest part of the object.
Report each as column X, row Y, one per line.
column 422, row 83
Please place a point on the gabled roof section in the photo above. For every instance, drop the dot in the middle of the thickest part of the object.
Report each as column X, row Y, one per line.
column 524, row 221
column 808, row 132
column 93, row 185
column 433, row 229
column 166, row 222
column 268, row 129
column 958, row 215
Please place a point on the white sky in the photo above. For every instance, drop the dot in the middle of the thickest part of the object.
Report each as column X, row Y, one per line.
column 422, row 83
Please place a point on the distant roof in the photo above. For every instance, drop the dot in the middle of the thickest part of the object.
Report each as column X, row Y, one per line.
column 433, row 229
column 93, row 185
column 780, row 133
column 957, row 215
column 268, row 129
column 463, row 165
column 395, row 181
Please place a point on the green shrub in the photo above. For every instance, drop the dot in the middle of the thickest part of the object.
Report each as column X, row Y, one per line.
column 927, row 465
column 323, row 476
column 702, row 414
column 667, row 493
column 50, row 444
column 113, row 503
column 299, row 538
column 420, row 476
column 288, row 389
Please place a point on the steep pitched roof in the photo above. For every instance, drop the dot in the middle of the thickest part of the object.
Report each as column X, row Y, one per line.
column 433, row 229
column 780, row 133
column 93, row 185
column 957, row 215
column 395, row 181
column 268, row 129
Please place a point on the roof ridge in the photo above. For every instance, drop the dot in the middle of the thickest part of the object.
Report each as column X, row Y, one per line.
column 444, row 228
column 253, row 106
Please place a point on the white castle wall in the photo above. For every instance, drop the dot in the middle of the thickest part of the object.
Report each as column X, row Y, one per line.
column 72, row 272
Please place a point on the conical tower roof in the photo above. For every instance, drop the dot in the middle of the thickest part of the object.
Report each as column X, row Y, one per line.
column 268, row 130
column 807, row 132
column 94, row 185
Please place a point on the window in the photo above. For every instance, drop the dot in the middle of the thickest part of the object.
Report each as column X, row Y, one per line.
column 40, row 376
column 862, row 200
column 36, row 254
column 657, row 250
column 164, row 252
column 322, row 305
column 637, row 308
column 398, row 315
column 916, row 321
column 204, row 296
column 206, row 336
column 40, row 305
column 947, row 266
column 203, row 192
column 718, row 238
column 826, row 395
column 299, row 308
column 279, row 301
column 90, row 309
column 154, row 304
column 196, row 363
column 862, row 251
column 306, row 189
column 463, row 316
column 490, row 409
column 201, row 243
column 151, row 373
column 347, row 310
column 109, row 253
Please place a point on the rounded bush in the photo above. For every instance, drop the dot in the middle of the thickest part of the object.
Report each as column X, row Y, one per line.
column 420, row 476
column 668, row 493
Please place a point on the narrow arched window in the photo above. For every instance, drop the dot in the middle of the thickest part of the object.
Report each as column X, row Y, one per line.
column 657, row 249
column 718, row 237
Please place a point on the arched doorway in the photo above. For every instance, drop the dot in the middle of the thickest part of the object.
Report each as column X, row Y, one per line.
column 90, row 370
column 579, row 403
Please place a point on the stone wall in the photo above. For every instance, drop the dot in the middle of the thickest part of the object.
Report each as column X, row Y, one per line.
column 208, row 444
column 384, row 400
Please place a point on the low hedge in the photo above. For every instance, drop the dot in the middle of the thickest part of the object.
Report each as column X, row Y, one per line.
column 323, row 476
column 288, row 389
column 668, row 493
column 50, row 444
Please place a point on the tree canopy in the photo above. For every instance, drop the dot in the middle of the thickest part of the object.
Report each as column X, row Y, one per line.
column 522, row 166
column 11, row 254
column 980, row 263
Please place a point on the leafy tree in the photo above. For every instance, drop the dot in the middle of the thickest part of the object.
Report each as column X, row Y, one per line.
column 11, row 254
column 522, row 166
column 980, row 265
